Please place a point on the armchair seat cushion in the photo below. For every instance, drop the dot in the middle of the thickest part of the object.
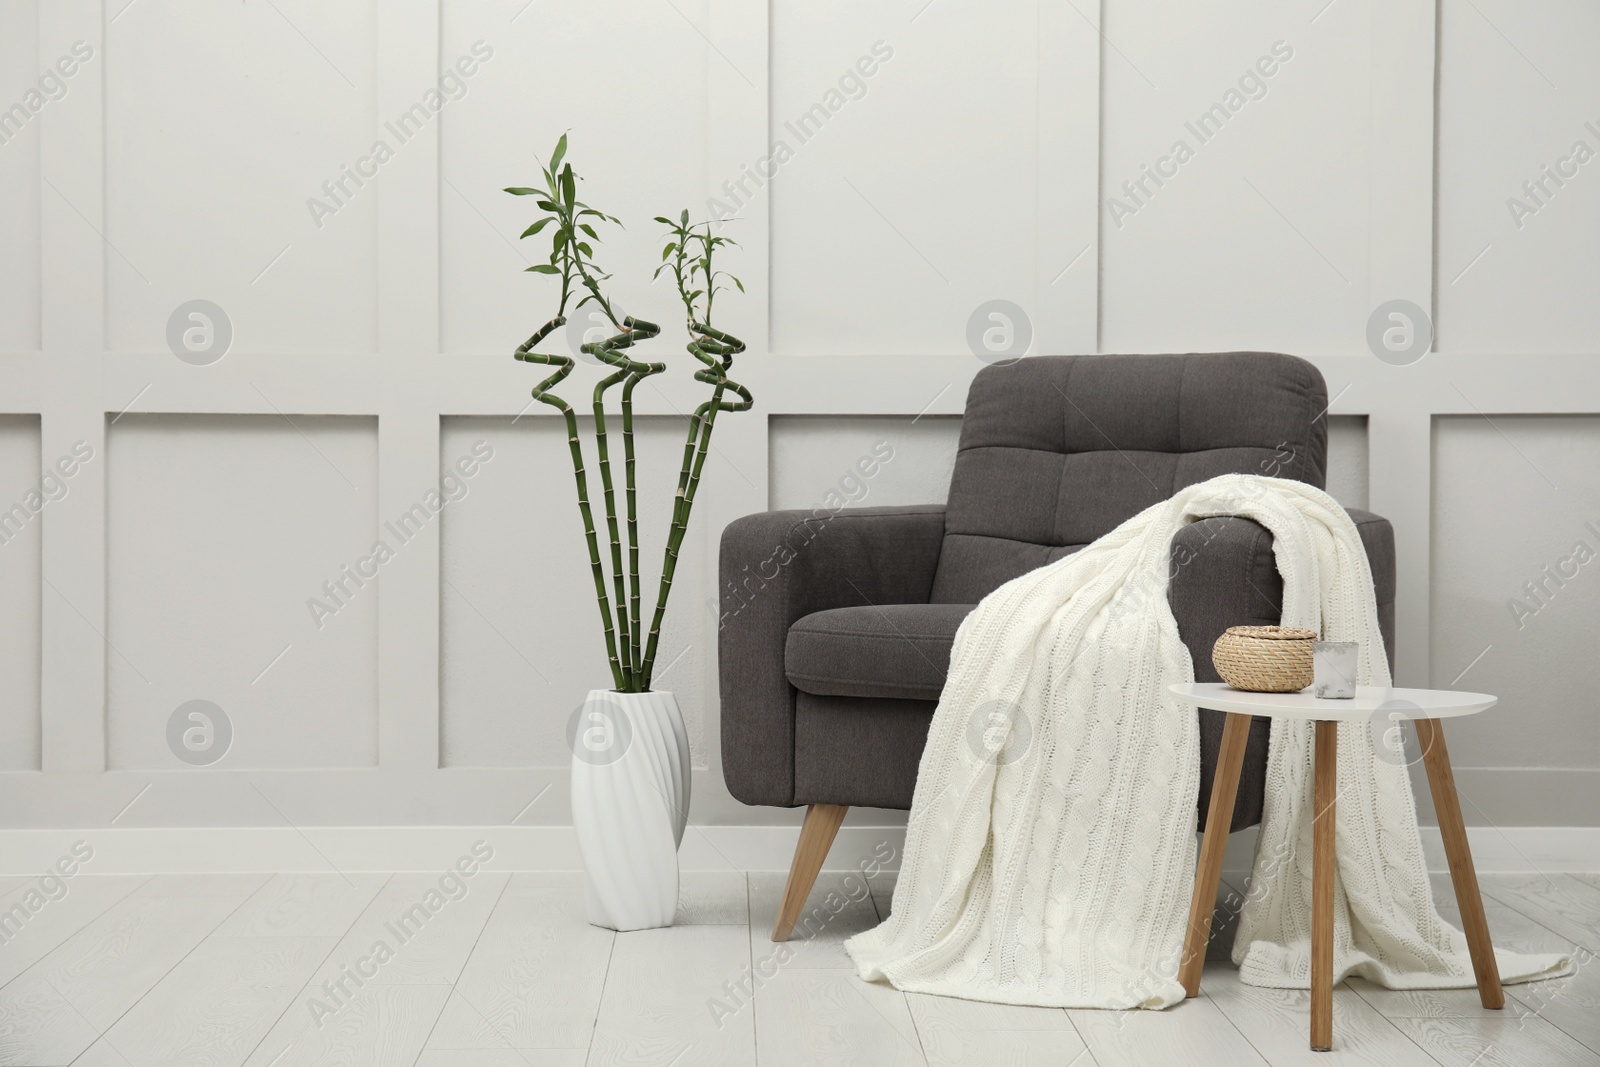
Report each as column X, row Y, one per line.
column 897, row 651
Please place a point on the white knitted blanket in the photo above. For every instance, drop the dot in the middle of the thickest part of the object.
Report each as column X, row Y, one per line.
column 1050, row 854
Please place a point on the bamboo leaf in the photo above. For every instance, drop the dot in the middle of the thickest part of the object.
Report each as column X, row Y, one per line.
column 543, row 268
column 536, row 227
column 561, row 150
column 522, row 190
column 586, row 228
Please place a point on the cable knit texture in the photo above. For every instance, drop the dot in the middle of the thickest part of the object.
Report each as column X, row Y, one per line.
column 1050, row 853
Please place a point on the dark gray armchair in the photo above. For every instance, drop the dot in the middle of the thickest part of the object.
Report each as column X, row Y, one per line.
column 836, row 626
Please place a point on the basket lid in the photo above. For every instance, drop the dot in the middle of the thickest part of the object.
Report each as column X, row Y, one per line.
column 1274, row 633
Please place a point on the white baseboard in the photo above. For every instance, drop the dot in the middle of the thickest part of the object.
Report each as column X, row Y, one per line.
column 1522, row 849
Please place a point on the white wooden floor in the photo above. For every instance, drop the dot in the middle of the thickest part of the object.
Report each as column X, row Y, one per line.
column 220, row 970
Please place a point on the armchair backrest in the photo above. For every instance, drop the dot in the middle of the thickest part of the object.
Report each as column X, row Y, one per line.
column 1057, row 450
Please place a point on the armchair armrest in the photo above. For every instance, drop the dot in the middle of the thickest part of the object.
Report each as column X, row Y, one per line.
column 776, row 567
column 1223, row 574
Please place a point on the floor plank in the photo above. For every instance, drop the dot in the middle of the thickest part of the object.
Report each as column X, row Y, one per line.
column 697, row 1017
column 101, row 1054
column 954, row 1031
column 546, row 880
column 1193, row 1034
column 182, row 960
column 528, row 1057
column 1507, row 1041
column 213, row 1008
column 1567, row 905
column 10, row 883
column 712, row 898
column 304, row 905
column 535, row 978
column 27, row 937
column 1277, row 1022
column 379, row 1026
column 1005, row 1048
column 103, row 969
column 1570, row 1004
column 931, row 1012
column 38, row 1027
column 428, row 935
column 202, row 885
column 823, row 1016
column 839, row 907
column 882, row 886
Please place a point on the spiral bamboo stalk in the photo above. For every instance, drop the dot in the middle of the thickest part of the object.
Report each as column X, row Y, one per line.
column 635, row 628
column 541, row 393
column 610, row 352
column 716, row 350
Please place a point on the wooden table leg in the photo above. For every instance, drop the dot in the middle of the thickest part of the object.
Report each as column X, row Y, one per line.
column 1219, row 817
column 1325, row 790
column 1463, row 876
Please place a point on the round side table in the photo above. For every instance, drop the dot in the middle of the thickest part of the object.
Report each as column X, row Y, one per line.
column 1423, row 706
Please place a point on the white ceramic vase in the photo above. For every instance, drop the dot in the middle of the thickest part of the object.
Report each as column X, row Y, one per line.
column 630, row 800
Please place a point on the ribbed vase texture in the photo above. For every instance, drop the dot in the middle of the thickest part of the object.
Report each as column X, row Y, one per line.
column 630, row 800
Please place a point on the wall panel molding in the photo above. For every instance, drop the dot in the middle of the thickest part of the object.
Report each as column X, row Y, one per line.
column 77, row 387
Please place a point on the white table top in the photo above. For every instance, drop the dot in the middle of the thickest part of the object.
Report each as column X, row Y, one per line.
column 1370, row 701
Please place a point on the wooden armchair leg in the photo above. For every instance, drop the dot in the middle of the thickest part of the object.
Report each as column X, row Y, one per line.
column 816, row 837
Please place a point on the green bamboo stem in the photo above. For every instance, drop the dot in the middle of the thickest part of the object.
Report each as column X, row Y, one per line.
column 635, row 649
column 563, row 365
column 629, row 468
column 610, row 352
column 708, row 343
column 603, row 463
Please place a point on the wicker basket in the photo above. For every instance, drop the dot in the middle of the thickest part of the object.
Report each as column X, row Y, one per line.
column 1265, row 659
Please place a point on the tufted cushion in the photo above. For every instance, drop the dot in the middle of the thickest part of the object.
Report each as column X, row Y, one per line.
column 1057, row 450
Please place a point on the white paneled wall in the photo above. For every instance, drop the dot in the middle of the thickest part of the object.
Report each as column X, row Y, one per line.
column 630, row 82
column 331, row 175
column 24, row 500
column 518, row 604
column 900, row 133
column 1518, row 202
column 1260, row 229
column 20, row 187
column 1347, row 460
column 1516, row 597
column 236, row 573
column 815, row 461
column 221, row 122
